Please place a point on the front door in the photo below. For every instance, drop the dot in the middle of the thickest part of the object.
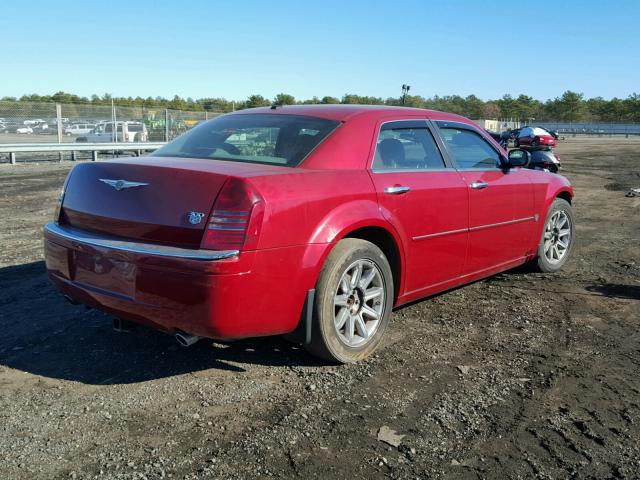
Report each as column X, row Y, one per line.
column 501, row 203
column 425, row 199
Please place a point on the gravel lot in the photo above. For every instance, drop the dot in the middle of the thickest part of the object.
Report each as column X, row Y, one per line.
column 522, row 375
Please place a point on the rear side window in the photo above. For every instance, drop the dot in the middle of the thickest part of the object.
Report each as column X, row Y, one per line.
column 258, row 138
column 400, row 148
column 469, row 149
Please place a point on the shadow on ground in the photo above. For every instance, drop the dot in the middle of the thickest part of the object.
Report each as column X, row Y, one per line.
column 42, row 334
column 615, row 290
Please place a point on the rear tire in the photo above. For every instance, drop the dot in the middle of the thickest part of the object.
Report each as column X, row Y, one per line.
column 557, row 238
column 354, row 298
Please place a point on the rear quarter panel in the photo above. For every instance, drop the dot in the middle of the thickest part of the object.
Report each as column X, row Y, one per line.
column 307, row 207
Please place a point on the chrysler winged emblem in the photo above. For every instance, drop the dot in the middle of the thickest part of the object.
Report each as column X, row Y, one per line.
column 121, row 184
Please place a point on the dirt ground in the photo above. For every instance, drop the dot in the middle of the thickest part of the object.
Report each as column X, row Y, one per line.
column 522, row 375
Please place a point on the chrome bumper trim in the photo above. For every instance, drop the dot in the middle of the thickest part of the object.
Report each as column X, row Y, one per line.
column 81, row 237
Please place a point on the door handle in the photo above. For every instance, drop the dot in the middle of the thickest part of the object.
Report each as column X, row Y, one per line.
column 396, row 190
column 479, row 185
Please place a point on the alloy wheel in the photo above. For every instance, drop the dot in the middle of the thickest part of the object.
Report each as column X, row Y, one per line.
column 557, row 237
column 359, row 303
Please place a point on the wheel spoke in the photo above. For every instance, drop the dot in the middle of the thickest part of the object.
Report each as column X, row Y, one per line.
column 340, row 300
column 373, row 293
column 349, row 328
column 564, row 232
column 366, row 279
column 341, row 318
column 344, row 285
column 355, row 275
column 562, row 221
column 563, row 244
column 370, row 312
column 361, row 327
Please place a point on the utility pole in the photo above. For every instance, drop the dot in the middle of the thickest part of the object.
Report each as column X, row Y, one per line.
column 405, row 90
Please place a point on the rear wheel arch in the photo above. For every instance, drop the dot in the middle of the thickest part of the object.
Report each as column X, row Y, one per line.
column 385, row 241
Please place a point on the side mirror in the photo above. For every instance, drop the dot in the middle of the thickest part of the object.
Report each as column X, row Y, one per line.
column 519, row 158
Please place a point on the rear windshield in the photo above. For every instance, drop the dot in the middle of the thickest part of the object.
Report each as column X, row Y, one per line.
column 259, row 138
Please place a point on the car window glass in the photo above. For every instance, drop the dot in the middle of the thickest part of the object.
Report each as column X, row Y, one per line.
column 469, row 149
column 263, row 138
column 406, row 148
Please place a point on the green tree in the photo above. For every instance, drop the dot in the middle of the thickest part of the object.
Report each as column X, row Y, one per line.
column 256, row 101
column 327, row 99
column 284, row 99
column 491, row 110
column 571, row 106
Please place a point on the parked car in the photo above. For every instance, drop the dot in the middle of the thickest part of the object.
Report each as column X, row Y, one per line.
column 10, row 126
column 311, row 221
column 545, row 159
column 79, row 129
column 24, row 130
column 126, row 132
column 535, row 137
column 31, row 123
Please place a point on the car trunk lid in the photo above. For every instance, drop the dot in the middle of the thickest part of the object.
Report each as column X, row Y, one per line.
column 155, row 199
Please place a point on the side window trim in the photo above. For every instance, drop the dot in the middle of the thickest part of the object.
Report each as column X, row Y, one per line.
column 411, row 123
column 463, row 126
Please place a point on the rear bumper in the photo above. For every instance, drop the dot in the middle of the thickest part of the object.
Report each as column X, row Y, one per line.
column 217, row 294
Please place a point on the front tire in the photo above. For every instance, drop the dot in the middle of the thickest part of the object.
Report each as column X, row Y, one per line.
column 354, row 298
column 557, row 238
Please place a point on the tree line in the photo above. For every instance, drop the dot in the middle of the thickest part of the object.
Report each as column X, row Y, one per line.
column 570, row 106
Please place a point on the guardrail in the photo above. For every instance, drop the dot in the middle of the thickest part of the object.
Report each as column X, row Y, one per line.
column 12, row 149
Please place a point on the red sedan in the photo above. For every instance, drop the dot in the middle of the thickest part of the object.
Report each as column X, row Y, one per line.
column 312, row 221
column 535, row 137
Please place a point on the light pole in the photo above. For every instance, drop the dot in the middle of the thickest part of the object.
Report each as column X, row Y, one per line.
column 405, row 90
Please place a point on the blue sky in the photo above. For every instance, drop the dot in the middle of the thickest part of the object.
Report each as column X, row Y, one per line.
column 234, row 49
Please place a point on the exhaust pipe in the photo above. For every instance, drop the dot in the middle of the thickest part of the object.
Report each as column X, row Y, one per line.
column 122, row 326
column 186, row 339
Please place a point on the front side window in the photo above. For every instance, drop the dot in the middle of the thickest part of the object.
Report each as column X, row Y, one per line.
column 469, row 149
column 258, row 138
column 400, row 148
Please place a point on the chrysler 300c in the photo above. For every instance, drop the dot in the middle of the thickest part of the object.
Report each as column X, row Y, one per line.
column 312, row 221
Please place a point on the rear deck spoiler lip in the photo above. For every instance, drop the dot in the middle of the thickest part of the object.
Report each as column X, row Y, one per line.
column 81, row 237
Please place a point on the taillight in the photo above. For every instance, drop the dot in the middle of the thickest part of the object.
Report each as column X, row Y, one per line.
column 236, row 218
column 56, row 213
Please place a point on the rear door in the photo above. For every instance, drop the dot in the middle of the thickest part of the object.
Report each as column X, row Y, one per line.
column 424, row 198
column 501, row 203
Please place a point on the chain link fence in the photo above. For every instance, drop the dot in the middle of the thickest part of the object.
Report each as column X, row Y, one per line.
column 591, row 128
column 28, row 123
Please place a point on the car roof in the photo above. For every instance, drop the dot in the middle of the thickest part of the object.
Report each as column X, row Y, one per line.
column 344, row 112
